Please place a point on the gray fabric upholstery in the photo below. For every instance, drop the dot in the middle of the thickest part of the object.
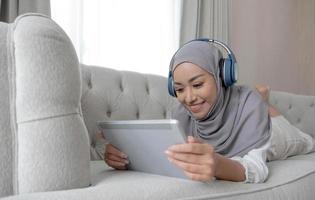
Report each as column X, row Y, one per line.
column 50, row 137
column 117, row 95
column 289, row 180
column 110, row 94
column 298, row 109
column 5, row 129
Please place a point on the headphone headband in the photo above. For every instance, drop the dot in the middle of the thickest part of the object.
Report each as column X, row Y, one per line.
column 224, row 46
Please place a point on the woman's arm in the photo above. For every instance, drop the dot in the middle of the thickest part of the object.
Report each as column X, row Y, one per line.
column 200, row 162
column 228, row 169
column 255, row 164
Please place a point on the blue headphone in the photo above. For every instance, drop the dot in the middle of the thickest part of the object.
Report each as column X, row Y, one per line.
column 228, row 67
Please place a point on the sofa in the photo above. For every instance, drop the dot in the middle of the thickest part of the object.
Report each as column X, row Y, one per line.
column 50, row 105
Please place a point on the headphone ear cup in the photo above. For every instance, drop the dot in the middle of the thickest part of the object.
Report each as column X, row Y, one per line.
column 234, row 71
column 226, row 70
column 170, row 85
column 222, row 70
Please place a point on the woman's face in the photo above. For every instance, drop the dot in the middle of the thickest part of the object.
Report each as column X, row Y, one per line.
column 195, row 88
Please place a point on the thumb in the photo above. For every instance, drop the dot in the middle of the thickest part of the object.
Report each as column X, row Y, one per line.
column 191, row 139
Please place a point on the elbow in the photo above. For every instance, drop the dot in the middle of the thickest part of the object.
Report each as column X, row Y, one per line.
column 262, row 174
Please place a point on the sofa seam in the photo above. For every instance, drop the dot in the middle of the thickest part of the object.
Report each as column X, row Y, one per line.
column 17, row 20
column 50, row 117
column 12, row 99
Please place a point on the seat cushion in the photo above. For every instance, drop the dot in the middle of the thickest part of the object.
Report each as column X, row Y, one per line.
column 50, row 138
column 289, row 179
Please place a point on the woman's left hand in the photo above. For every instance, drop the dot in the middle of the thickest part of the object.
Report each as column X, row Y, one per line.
column 196, row 159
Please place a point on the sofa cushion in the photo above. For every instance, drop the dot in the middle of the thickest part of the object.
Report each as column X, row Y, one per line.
column 50, row 138
column 5, row 130
column 289, row 179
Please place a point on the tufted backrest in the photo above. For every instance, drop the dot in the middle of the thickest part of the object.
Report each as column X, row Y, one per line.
column 110, row 94
column 298, row 109
column 122, row 95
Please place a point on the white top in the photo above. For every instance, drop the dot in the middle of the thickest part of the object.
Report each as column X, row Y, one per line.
column 286, row 140
column 254, row 162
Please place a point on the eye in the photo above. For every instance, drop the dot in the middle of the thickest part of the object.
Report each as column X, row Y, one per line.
column 197, row 85
column 179, row 90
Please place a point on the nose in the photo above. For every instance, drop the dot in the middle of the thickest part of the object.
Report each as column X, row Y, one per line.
column 190, row 96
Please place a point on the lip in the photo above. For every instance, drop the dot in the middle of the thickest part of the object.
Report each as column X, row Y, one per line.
column 196, row 107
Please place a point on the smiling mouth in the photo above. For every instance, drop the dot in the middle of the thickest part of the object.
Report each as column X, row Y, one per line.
column 196, row 107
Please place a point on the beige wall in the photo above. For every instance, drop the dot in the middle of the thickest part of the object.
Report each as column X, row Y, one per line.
column 274, row 43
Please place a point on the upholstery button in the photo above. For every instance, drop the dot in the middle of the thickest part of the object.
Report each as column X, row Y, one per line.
column 108, row 113
column 164, row 114
column 148, row 91
column 290, row 106
column 312, row 104
column 298, row 120
column 138, row 115
column 121, row 87
column 89, row 84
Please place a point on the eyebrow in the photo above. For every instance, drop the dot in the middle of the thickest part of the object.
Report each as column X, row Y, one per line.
column 190, row 80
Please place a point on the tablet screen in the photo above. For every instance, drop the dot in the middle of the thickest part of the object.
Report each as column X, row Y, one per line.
column 145, row 141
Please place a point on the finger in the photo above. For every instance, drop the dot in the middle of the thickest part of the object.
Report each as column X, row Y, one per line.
column 191, row 139
column 99, row 135
column 191, row 168
column 198, row 177
column 191, row 158
column 113, row 150
column 121, row 168
column 202, row 170
column 115, row 164
column 116, row 158
column 196, row 148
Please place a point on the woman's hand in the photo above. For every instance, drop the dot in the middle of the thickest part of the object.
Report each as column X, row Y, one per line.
column 196, row 159
column 113, row 157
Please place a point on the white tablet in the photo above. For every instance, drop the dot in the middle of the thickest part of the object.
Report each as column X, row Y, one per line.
column 145, row 141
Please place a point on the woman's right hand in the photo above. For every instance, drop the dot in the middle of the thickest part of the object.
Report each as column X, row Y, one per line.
column 115, row 158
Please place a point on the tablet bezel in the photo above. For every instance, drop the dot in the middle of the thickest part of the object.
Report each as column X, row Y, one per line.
column 145, row 142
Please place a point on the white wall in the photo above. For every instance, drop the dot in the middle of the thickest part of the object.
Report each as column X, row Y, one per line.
column 274, row 42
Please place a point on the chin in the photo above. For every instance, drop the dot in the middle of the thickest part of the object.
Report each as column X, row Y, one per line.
column 199, row 116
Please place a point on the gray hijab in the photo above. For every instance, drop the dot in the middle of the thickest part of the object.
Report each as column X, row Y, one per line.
column 237, row 122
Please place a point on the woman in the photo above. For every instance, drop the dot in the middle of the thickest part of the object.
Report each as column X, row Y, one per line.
column 230, row 134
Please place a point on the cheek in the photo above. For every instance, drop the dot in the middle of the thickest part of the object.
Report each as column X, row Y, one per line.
column 180, row 98
column 210, row 96
column 211, row 100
